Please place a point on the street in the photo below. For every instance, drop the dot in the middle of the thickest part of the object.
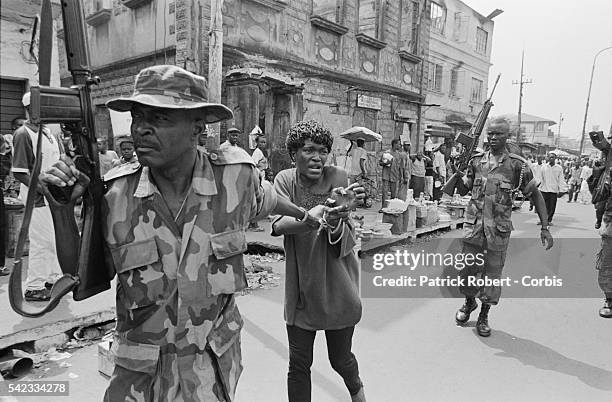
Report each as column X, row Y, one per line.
column 411, row 349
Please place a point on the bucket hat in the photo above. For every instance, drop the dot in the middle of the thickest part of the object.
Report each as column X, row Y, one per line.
column 172, row 87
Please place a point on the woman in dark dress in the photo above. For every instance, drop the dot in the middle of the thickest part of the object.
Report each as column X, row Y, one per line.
column 322, row 269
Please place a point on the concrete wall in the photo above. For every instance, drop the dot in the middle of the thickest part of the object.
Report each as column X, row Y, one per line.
column 15, row 34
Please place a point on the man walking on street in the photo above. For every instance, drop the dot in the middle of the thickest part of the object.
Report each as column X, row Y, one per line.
column 43, row 267
column 174, row 229
column 575, row 181
column 552, row 183
column 492, row 176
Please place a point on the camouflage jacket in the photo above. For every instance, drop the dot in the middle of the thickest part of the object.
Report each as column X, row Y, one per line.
column 175, row 303
column 492, row 182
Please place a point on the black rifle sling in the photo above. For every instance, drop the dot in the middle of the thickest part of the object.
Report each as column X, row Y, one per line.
column 66, row 282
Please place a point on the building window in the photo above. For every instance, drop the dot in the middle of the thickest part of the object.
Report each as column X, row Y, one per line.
column 415, row 27
column 328, row 9
column 434, row 77
column 460, row 31
column 481, row 40
column 476, row 95
column 453, row 83
column 438, row 18
column 409, row 25
column 369, row 11
column 540, row 126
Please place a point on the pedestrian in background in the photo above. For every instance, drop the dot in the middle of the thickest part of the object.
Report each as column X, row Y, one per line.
column 392, row 172
column 107, row 158
column 575, row 181
column 552, row 185
column 5, row 168
column 429, row 174
column 439, row 165
column 43, row 267
column 417, row 178
column 322, row 269
column 233, row 138
column 126, row 147
column 358, row 166
column 261, row 163
column 406, row 168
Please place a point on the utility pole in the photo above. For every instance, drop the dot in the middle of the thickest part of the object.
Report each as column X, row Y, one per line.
column 417, row 52
column 521, row 82
column 559, row 133
column 215, row 63
column 586, row 110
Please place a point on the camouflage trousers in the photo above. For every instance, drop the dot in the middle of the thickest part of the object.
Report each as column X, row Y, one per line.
column 604, row 258
column 493, row 265
column 136, row 380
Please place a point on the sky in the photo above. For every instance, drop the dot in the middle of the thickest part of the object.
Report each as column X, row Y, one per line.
column 560, row 38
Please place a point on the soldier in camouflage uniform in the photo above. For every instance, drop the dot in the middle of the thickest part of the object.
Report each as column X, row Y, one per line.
column 604, row 257
column 492, row 176
column 175, row 232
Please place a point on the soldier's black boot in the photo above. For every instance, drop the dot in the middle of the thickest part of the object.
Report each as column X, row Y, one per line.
column 482, row 325
column 606, row 310
column 463, row 314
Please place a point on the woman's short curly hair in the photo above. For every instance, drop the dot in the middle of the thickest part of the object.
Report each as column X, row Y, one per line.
column 308, row 130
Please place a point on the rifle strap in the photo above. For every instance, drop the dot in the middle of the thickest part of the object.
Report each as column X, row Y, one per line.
column 65, row 284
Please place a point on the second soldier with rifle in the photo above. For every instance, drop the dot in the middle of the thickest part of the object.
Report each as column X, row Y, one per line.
column 493, row 177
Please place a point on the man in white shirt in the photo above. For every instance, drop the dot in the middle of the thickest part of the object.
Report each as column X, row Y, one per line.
column 261, row 162
column 259, row 154
column 43, row 267
column 439, row 165
column 233, row 134
column 552, row 182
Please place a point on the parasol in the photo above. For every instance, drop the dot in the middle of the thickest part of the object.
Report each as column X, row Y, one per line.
column 363, row 133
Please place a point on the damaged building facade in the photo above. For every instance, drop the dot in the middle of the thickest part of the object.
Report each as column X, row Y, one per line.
column 345, row 63
column 342, row 62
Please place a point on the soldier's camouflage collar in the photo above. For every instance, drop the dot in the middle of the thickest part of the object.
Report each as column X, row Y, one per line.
column 202, row 180
column 487, row 155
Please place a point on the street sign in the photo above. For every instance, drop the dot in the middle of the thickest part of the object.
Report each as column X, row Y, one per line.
column 369, row 102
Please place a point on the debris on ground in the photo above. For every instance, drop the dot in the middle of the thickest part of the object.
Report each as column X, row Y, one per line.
column 259, row 272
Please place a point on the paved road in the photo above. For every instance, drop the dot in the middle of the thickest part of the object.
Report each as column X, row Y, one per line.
column 411, row 350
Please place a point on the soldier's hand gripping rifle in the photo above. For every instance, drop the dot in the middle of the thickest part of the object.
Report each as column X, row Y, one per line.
column 469, row 142
column 82, row 259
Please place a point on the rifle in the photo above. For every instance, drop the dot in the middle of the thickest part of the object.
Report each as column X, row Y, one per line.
column 470, row 142
column 71, row 107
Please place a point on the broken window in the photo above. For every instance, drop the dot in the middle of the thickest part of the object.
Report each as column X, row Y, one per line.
column 438, row 18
